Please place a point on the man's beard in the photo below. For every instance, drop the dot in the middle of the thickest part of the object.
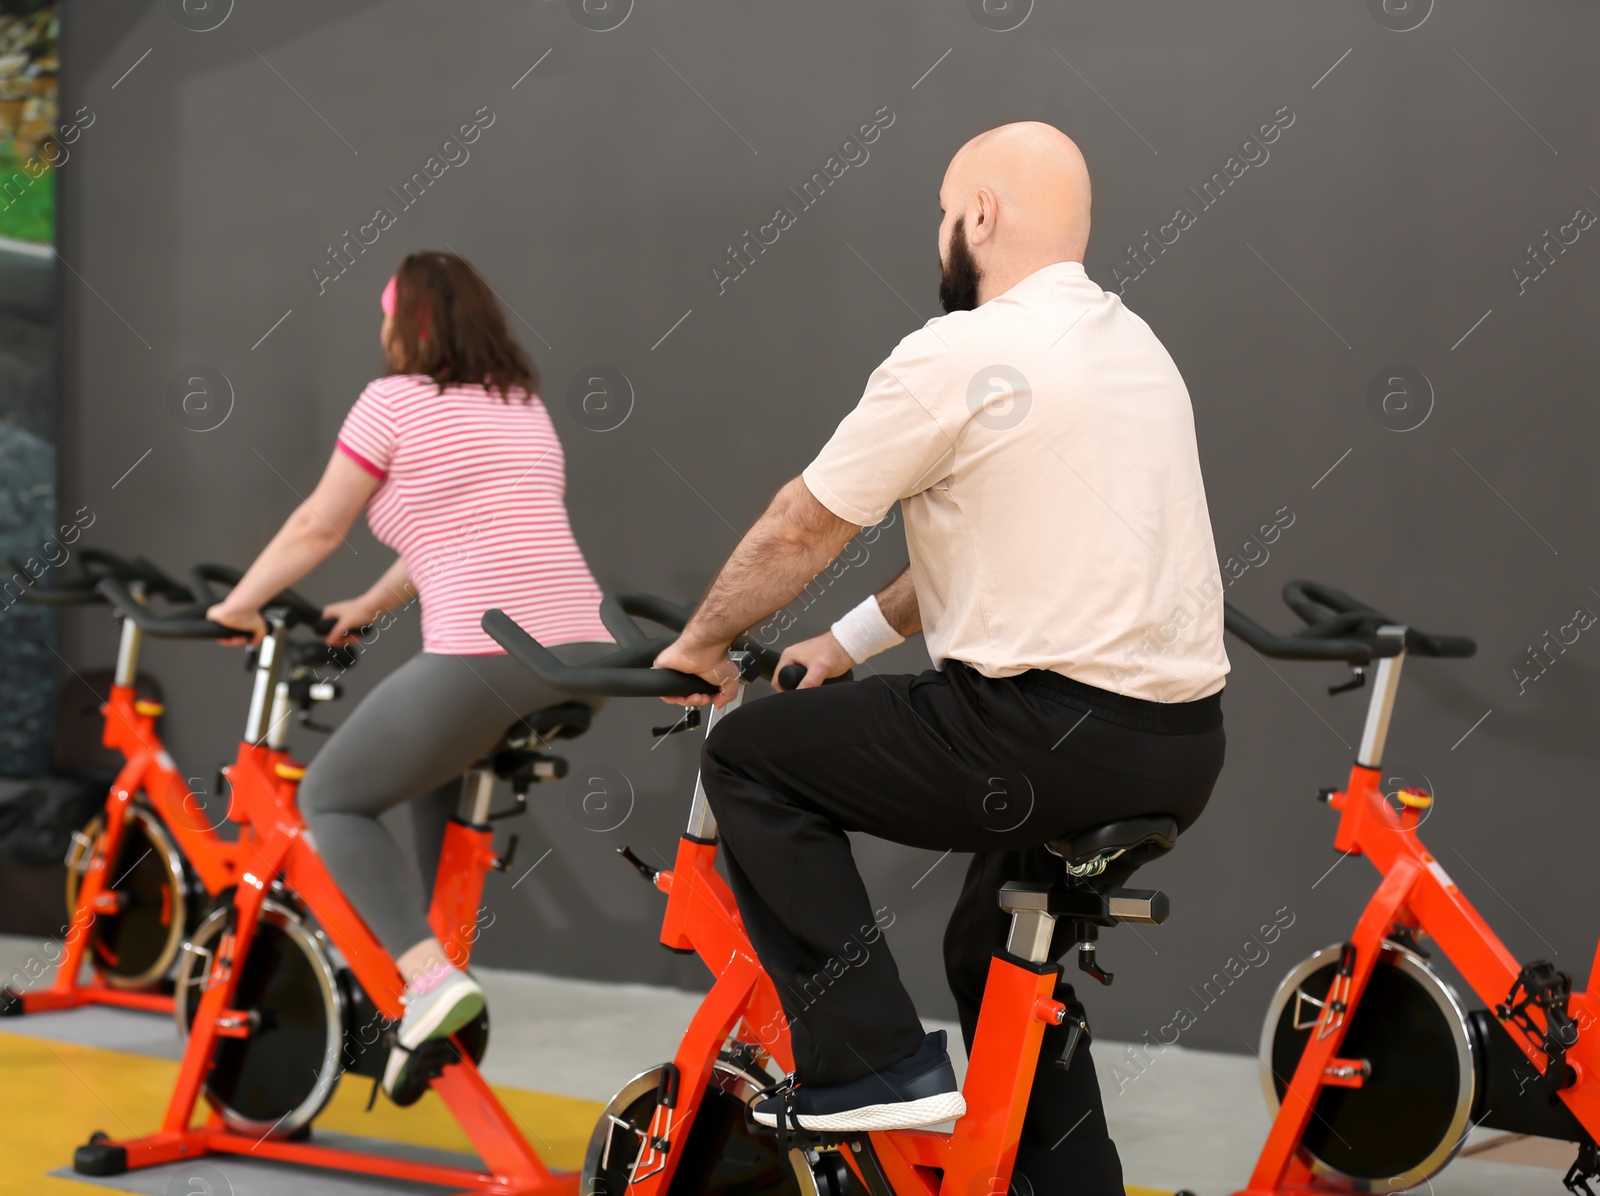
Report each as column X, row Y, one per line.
column 959, row 277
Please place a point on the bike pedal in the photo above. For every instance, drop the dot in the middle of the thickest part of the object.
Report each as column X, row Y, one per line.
column 428, row 1061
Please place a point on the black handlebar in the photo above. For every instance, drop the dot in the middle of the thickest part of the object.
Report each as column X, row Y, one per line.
column 299, row 611
column 628, row 672
column 294, row 610
column 181, row 626
column 93, row 564
column 790, row 676
column 204, row 575
column 1338, row 627
column 625, row 673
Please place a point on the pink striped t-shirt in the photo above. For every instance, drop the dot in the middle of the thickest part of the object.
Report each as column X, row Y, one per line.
column 473, row 498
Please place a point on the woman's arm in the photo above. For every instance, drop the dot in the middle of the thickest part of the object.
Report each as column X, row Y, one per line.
column 393, row 589
column 317, row 526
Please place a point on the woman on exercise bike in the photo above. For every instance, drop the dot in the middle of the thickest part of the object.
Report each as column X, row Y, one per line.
column 455, row 461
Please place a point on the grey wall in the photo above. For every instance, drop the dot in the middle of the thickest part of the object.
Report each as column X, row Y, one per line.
column 1382, row 228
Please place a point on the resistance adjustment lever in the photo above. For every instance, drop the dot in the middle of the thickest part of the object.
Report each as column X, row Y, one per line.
column 644, row 869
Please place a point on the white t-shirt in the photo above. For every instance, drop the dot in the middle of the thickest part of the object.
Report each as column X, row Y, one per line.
column 1042, row 447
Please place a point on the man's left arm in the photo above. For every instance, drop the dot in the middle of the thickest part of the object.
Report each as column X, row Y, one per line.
column 790, row 544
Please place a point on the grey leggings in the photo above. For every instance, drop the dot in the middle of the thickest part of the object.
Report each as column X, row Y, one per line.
column 410, row 740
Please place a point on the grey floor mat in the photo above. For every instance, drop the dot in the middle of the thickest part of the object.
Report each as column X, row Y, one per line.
column 103, row 1026
column 242, row 1175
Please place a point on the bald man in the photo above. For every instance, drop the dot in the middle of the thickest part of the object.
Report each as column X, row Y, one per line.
column 1041, row 444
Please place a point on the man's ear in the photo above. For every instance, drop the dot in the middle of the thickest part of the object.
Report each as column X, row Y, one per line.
column 981, row 213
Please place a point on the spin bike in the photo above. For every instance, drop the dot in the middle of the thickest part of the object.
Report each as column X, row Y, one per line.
column 141, row 872
column 283, row 989
column 1373, row 1066
column 684, row 1127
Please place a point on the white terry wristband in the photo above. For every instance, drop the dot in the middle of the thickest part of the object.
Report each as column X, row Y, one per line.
column 864, row 632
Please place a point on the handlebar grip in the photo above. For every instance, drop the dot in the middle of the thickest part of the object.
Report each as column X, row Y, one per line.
column 595, row 679
column 1440, row 645
column 322, row 626
column 188, row 627
column 790, row 676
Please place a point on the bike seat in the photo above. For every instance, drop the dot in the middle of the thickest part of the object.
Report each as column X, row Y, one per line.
column 1132, row 841
column 564, row 720
column 520, row 743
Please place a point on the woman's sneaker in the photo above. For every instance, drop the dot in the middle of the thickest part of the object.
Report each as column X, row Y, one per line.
column 917, row 1091
column 438, row 1003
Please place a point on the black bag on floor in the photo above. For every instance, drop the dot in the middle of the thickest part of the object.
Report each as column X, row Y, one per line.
column 39, row 814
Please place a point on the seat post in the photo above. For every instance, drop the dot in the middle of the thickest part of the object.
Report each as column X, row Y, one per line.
column 1381, row 705
column 1031, row 932
column 478, row 789
column 128, row 647
column 1033, row 926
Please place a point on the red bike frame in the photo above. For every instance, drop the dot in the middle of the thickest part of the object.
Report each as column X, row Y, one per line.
column 1018, row 1004
column 1415, row 893
column 273, row 845
column 130, row 728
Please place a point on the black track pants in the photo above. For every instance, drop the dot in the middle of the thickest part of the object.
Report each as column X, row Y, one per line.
column 944, row 760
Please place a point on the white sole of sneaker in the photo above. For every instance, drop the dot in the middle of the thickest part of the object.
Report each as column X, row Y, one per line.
column 444, row 1018
column 900, row 1115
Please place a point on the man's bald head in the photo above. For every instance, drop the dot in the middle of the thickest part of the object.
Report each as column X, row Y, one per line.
column 1020, row 196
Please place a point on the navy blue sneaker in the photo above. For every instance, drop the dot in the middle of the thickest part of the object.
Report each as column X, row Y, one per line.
column 918, row 1091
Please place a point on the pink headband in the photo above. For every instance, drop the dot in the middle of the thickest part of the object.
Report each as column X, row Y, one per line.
column 388, row 298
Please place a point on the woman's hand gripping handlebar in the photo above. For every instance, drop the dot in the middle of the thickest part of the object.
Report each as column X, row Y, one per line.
column 629, row 671
column 1338, row 627
column 292, row 608
column 190, row 623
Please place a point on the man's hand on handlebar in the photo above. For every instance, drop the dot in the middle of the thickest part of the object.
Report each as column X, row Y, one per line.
column 821, row 656
column 710, row 663
column 245, row 620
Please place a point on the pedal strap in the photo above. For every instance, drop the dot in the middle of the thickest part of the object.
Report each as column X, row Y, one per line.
column 788, row 1119
column 788, row 1112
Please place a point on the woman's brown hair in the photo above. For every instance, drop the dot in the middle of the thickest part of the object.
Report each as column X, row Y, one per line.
column 449, row 326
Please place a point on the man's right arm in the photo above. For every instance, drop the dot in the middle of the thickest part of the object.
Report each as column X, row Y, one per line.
column 888, row 617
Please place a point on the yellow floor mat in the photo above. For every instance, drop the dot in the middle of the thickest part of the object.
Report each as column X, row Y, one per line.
column 60, row 1092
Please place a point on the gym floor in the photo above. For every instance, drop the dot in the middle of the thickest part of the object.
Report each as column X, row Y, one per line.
column 560, row 1048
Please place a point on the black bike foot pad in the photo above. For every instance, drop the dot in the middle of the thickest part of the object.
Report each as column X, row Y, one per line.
column 100, row 1158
